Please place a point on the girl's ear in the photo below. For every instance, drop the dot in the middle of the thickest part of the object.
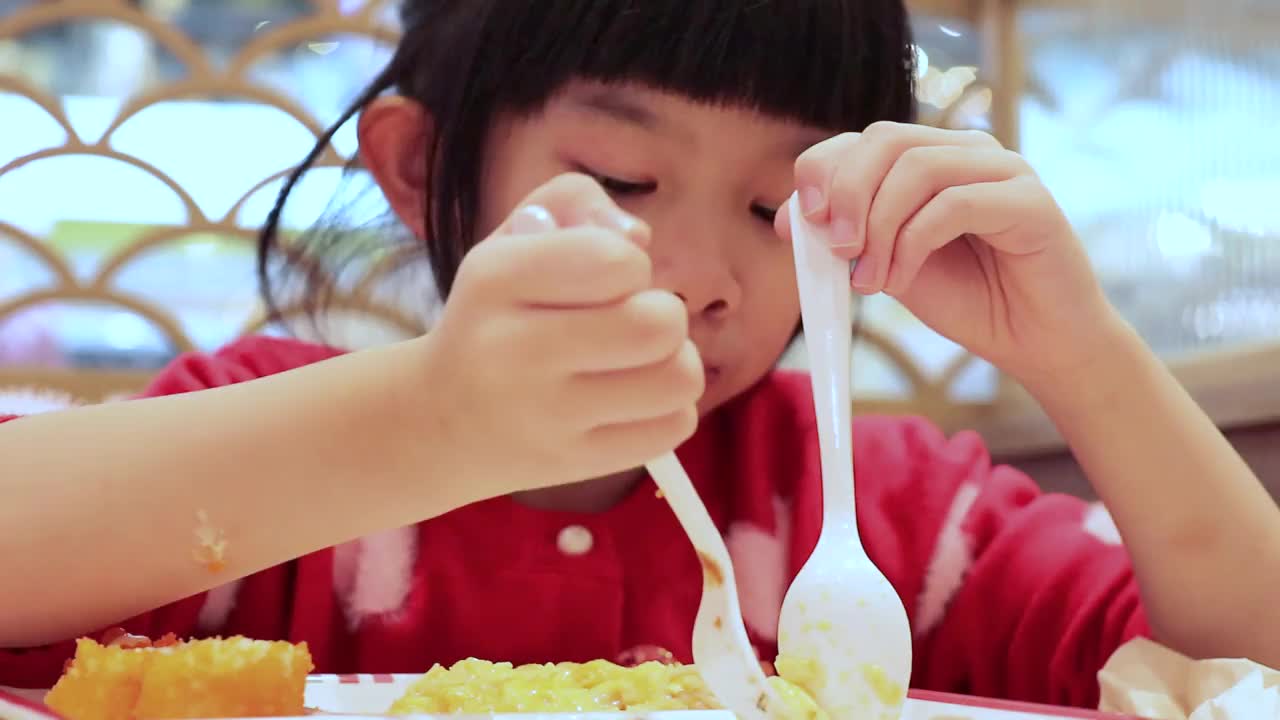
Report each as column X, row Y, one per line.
column 394, row 134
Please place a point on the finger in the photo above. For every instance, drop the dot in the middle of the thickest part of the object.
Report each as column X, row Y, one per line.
column 858, row 173
column 574, row 267
column 782, row 220
column 629, row 445
column 916, row 244
column 644, row 393
column 574, row 199
column 643, row 329
column 816, row 167
column 919, row 174
column 985, row 210
column 813, row 172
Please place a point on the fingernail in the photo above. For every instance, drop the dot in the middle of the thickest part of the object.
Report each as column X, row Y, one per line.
column 844, row 233
column 812, row 201
column 614, row 219
column 864, row 273
column 532, row 219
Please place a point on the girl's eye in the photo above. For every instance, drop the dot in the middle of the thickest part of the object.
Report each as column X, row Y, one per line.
column 617, row 186
column 764, row 213
column 622, row 187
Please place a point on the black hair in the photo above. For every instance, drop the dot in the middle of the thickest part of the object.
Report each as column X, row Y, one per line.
column 834, row 64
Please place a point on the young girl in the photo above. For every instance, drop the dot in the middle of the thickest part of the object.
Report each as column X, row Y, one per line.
column 475, row 492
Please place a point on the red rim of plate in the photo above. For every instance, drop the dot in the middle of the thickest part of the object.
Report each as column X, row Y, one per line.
column 36, row 708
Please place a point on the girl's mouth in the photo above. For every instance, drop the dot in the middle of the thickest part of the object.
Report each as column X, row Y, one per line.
column 711, row 373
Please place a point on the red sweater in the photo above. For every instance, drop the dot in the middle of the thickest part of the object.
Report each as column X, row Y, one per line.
column 1011, row 593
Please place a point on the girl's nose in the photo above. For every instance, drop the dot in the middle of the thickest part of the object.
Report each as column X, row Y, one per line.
column 713, row 307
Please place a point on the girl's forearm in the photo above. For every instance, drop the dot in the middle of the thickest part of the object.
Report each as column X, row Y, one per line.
column 112, row 510
column 1203, row 532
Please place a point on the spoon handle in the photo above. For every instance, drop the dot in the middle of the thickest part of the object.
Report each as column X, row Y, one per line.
column 826, row 307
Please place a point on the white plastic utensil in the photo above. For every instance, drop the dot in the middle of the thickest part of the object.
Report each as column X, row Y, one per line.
column 722, row 651
column 841, row 616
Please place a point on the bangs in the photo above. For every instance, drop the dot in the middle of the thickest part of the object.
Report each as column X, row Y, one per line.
column 834, row 64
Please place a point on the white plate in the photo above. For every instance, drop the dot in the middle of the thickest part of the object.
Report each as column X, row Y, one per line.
column 371, row 695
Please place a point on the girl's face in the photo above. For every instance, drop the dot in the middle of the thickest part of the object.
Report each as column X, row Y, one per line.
column 706, row 179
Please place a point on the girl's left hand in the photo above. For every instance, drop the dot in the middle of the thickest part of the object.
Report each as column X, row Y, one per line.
column 963, row 233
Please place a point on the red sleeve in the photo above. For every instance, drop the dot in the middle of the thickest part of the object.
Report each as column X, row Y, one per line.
column 1025, row 595
column 247, row 359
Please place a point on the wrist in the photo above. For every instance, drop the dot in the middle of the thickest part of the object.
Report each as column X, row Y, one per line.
column 419, row 411
column 396, row 431
column 1111, row 361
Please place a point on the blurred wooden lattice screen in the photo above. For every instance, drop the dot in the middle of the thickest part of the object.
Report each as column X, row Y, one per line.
column 72, row 274
column 141, row 142
column 1153, row 121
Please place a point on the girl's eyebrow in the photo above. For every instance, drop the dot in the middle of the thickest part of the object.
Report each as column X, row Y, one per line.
column 627, row 107
column 808, row 139
column 618, row 105
column 630, row 107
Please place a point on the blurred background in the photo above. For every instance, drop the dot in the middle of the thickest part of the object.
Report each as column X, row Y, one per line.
column 143, row 141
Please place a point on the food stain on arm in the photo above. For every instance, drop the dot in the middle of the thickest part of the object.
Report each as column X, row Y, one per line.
column 210, row 551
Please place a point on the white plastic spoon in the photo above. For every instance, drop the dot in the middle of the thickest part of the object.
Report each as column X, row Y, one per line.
column 722, row 651
column 841, row 616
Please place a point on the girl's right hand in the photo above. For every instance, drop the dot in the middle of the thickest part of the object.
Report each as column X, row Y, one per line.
column 556, row 360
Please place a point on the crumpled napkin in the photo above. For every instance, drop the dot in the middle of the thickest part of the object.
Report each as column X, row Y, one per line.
column 1147, row 680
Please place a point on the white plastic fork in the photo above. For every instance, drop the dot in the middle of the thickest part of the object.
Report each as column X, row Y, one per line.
column 841, row 617
column 722, row 651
